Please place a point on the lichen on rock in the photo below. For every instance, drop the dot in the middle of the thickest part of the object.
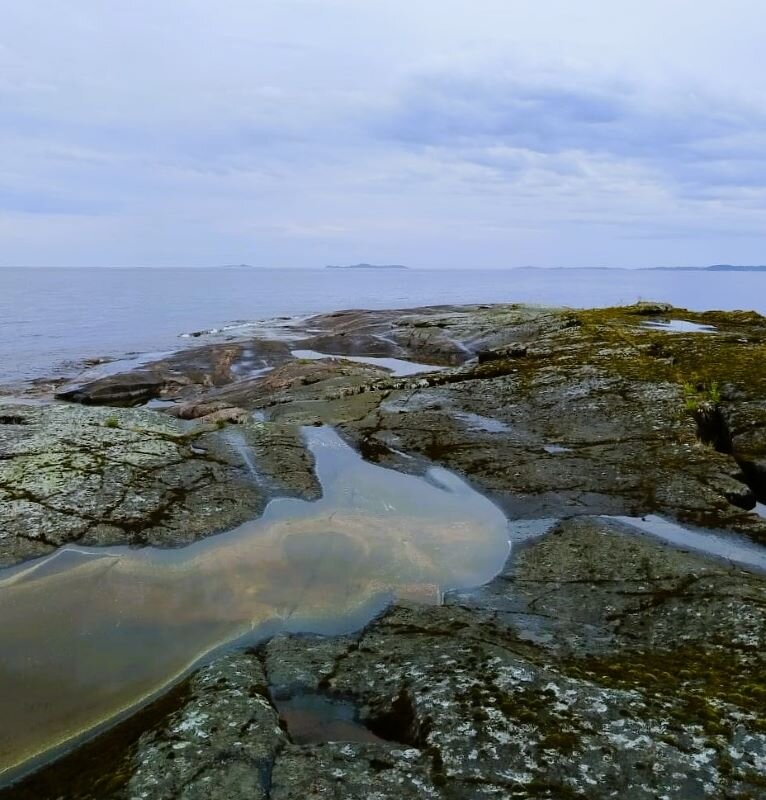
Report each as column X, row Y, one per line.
column 102, row 476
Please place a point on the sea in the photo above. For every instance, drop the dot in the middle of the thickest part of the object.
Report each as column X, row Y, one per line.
column 51, row 319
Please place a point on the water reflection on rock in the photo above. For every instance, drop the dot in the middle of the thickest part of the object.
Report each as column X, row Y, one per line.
column 397, row 366
column 87, row 634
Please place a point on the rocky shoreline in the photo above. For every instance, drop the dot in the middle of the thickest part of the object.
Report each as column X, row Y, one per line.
column 599, row 663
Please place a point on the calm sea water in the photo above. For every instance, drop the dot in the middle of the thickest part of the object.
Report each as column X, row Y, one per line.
column 50, row 318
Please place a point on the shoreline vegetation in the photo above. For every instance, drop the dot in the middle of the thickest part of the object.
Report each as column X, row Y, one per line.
column 614, row 652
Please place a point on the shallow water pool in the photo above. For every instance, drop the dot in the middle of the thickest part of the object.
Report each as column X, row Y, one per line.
column 90, row 633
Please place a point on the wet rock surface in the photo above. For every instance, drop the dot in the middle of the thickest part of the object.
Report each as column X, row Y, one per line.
column 186, row 372
column 618, row 404
column 599, row 663
column 550, row 411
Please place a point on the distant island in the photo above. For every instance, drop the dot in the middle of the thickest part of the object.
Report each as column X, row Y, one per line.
column 716, row 268
column 366, row 266
column 735, row 268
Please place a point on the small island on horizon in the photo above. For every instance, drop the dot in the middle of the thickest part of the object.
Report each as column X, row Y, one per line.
column 717, row 268
column 735, row 268
column 366, row 266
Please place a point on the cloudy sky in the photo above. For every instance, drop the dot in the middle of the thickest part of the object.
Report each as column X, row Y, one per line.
column 490, row 133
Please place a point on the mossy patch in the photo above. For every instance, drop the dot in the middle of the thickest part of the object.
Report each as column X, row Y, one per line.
column 694, row 685
column 733, row 357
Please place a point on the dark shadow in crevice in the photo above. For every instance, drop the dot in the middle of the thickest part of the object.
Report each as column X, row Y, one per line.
column 398, row 722
column 713, row 430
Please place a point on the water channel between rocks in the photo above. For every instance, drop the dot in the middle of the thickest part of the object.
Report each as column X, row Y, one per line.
column 397, row 366
column 88, row 634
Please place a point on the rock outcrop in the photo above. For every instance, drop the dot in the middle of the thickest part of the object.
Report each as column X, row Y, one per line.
column 598, row 663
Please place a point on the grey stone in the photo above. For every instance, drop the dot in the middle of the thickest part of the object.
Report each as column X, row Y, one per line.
column 222, row 744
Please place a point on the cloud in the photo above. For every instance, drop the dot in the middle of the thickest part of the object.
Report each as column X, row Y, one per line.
column 695, row 140
column 429, row 133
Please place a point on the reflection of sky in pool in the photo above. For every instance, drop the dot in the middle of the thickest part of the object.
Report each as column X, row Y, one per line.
column 482, row 423
column 398, row 366
column 89, row 633
column 726, row 546
column 556, row 449
column 678, row 326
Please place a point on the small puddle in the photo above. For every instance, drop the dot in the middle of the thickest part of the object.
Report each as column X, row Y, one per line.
column 399, row 367
column 250, row 366
column 556, row 449
column 478, row 422
column 730, row 547
column 315, row 719
column 252, row 374
column 158, row 404
column 89, row 634
column 678, row 326
column 526, row 530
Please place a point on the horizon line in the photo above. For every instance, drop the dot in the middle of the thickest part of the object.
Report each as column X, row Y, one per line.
column 711, row 267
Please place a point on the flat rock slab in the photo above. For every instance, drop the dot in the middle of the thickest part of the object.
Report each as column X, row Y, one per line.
column 113, row 476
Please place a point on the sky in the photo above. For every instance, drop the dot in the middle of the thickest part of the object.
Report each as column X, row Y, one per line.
column 437, row 133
